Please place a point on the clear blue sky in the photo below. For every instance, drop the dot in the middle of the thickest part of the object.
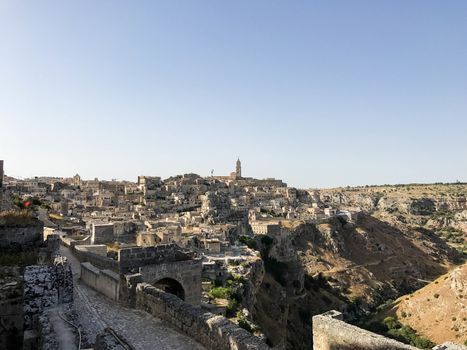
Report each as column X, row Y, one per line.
column 318, row 93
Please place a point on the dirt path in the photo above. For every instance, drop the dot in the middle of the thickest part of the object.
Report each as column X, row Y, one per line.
column 95, row 312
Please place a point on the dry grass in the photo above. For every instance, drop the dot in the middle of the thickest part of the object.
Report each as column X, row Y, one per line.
column 12, row 218
column 113, row 247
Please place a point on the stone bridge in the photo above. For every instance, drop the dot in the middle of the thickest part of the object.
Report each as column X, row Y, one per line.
column 181, row 278
column 166, row 267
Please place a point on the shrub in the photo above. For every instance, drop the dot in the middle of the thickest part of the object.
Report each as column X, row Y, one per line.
column 249, row 242
column 405, row 334
column 232, row 308
column 219, row 292
column 391, row 323
column 245, row 325
column 436, row 295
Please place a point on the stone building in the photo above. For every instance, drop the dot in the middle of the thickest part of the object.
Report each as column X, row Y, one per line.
column 102, row 233
column 1, row 173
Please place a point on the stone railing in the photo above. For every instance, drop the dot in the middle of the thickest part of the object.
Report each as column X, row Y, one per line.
column 104, row 281
column 99, row 261
column 212, row 331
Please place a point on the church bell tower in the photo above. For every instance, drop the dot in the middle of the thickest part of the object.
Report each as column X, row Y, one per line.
column 238, row 169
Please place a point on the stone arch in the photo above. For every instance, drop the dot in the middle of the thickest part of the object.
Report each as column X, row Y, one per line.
column 171, row 286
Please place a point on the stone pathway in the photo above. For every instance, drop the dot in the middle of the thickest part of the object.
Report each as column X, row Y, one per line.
column 141, row 330
column 64, row 332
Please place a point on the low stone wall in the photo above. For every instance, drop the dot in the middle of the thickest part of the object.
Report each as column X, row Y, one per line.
column 101, row 262
column 104, row 281
column 331, row 333
column 98, row 249
column 71, row 243
column 212, row 331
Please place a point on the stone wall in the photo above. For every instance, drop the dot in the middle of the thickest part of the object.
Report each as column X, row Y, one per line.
column 98, row 249
column 331, row 333
column 11, row 308
column 101, row 262
column 45, row 286
column 212, row 331
column 102, row 233
column 70, row 242
column 104, row 281
column 132, row 258
column 21, row 236
column 127, row 294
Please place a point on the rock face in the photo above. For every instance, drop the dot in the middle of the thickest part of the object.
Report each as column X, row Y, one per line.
column 423, row 206
column 253, row 281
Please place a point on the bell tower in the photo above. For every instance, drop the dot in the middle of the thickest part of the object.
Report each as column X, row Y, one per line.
column 238, row 169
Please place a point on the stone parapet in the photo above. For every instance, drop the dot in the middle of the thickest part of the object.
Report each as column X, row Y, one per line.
column 212, row 331
column 106, row 282
column 330, row 333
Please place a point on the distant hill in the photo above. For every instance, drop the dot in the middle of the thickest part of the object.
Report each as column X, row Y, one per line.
column 439, row 208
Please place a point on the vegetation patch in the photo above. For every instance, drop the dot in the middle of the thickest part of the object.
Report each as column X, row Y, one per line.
column 249, row 242
column 392, row 328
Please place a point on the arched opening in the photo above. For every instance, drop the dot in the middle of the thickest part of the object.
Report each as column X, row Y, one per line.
column 171, row 286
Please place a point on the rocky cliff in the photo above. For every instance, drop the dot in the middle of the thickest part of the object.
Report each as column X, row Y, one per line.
column 350, row 266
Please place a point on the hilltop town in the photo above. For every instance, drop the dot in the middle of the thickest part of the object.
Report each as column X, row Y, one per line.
column 260, row 257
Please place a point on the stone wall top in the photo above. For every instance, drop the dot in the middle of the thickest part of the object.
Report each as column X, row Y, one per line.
column 331, row 333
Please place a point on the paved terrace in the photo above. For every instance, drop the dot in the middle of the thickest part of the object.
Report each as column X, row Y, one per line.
column 141, row 330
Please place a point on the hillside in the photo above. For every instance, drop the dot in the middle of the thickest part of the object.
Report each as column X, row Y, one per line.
column 438, row 310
